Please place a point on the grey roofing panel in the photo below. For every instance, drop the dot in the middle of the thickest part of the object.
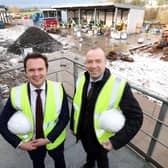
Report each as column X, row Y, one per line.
column 97, row 5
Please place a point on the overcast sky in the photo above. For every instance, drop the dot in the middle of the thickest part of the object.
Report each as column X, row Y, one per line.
column 43, row 3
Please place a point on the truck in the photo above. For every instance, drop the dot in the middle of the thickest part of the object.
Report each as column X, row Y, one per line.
column 47, row 19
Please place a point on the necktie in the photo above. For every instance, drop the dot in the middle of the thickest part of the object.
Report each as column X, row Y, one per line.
column 90, row 93
column 39, row 116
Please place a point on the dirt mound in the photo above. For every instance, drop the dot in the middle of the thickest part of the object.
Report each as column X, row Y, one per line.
column 37, row 39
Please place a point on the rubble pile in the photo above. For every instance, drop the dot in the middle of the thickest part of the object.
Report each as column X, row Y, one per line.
column 9, row 80
column 122, row 55
column 36, row 39
column 112, row 55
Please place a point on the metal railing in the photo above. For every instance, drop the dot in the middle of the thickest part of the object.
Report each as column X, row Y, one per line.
column 151, row 141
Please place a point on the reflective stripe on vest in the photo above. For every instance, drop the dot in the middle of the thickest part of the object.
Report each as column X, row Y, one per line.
column 106, row 100
column 77, row 100
column 57, row 95
column 111, row 101
column 54, row 98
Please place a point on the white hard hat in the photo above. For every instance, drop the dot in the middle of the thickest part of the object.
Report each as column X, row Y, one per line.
column 112, row 120
column 19, row 123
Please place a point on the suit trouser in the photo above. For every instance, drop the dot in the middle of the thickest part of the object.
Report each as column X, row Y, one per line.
column 38, row 156
column 95, row 152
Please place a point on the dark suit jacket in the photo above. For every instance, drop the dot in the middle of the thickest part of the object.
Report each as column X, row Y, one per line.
column 8, row 111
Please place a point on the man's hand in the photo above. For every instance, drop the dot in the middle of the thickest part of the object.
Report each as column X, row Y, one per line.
column 40, row 142
column 33, row 144
column 27, row 146
column 107, row 145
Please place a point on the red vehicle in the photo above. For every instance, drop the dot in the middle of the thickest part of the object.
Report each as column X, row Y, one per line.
column 47, row 19
column 50, row 22
column 25, row 17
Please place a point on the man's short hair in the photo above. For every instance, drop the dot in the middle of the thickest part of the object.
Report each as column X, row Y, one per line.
column 35, row 56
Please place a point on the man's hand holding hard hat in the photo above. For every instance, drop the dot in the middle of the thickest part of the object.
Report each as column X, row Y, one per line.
column 112, row 120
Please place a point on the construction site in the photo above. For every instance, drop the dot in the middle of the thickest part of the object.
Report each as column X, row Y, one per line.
column 136, row 52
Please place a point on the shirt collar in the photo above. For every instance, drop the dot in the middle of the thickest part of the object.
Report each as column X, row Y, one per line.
column 33, row 88
column 100, row 78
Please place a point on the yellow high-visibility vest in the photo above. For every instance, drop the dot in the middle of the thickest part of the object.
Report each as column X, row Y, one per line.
column 108, row 98
column 54, row 98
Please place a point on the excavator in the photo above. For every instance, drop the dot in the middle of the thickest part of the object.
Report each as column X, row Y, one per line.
column 163, row 39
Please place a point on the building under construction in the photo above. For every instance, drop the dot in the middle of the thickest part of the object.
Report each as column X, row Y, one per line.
column 110, row 14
